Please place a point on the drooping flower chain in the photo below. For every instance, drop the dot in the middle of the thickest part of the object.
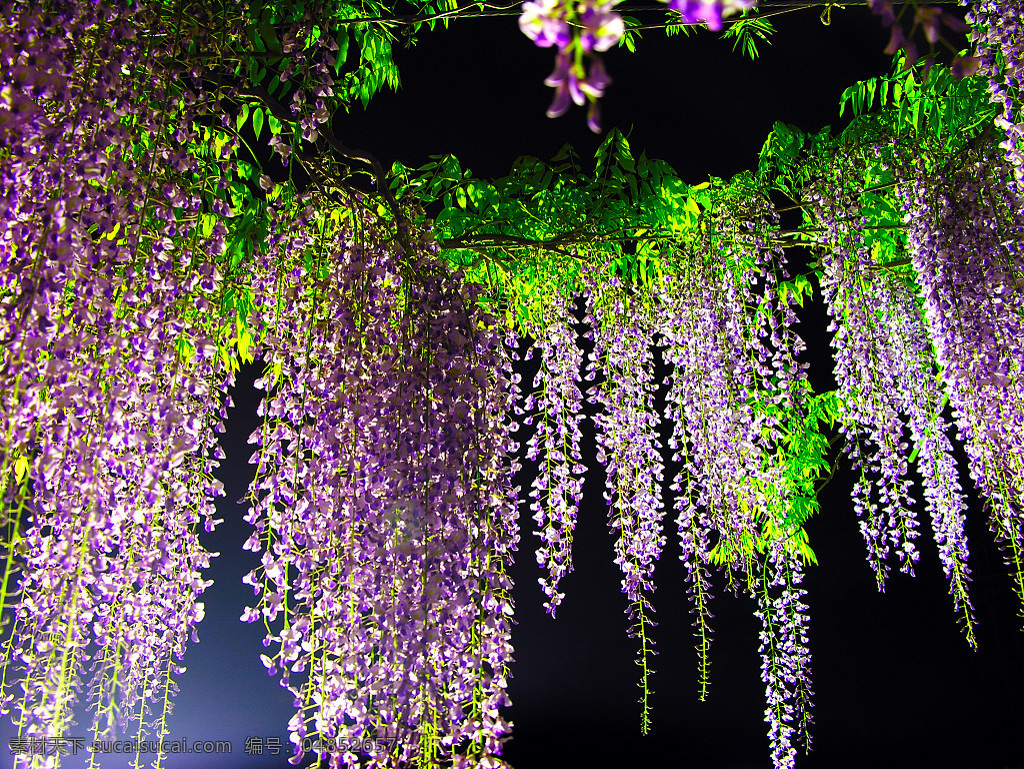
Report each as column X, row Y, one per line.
column 558, row 401
column 785, row 659
column 923, row 401
column 715, row 432
column 777, row 394
column 997, row 31
column 712, row 432
column 964, row 238
column 622, row 328
column 731, row 343
column 111, row 380
column 868, row 374
column 885, row 368
column 581, row 29
column 759, row 349
column 384, row 440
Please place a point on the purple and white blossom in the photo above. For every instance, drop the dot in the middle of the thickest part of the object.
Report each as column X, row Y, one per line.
column 602, row 27
column 886, row 370
column 382, row 506
column 869, row 370
column 734, row 352
column 544, row 22
column 555, row 445
column 785, row 659
column 111, row 379
column 622, row 328
column 964, row 236
column 997, row 33
column 580, row 31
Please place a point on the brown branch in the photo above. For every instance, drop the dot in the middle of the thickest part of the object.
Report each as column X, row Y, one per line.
column 498, row 241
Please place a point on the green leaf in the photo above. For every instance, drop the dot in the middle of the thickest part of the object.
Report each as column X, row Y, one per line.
column 245, row 171
column 747, row 31
column 244, row 343
column 257, row 121
column 341, row 55
column 629, row 37
column 268, row 34
column 243, row 117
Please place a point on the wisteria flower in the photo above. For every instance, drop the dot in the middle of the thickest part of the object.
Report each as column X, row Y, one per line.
column 896, row 41
column 928, row 19
column 596, row 81
column 565, row 81
column 579, row 33
column 545, row 24
column 603, row 27
column 710, row 12
column 569, row 86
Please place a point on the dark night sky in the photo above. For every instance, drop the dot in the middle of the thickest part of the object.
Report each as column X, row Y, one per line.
column 895, row 683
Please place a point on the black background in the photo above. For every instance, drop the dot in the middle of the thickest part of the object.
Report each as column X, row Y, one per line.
column 896, row 685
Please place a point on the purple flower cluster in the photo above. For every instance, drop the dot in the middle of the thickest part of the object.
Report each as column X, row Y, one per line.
column 545, row 23
column 780, row 382
column 785, row 660
column 383, row 509
column 869, row 370
column 622, row 327
column 919, row 389
column 311, row 70
column 731, row 343
column 998, row 31
column 579, row 30
column 112, row 381
column 710, row 12
column 885, row 369
column 713, row 435
column 558, row 403
column 965, row 234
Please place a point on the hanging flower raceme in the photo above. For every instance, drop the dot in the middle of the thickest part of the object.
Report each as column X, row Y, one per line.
column 747, row 354
column 785, row 659
column 868, row 372
column 579, row 31
column 964, row 235
column 555, row 445
column 622, row 327
column 713, row 436
column 382, row 505
column 998, row 34
column 924, row 402
column 110, row 378
column 582, row 29
column 310, row 50
column 727, row 327
column 119, row 476
column 885, row 369
column 777, row 396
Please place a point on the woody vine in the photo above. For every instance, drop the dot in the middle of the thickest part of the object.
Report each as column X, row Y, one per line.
column 147, row 251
